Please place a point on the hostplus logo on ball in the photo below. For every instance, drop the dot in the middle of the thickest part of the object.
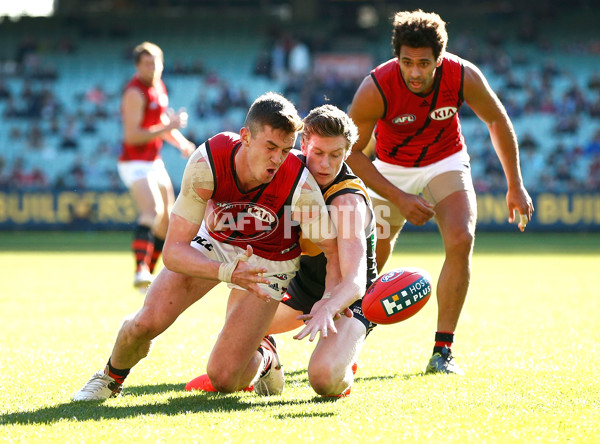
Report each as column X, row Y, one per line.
column 406, row 297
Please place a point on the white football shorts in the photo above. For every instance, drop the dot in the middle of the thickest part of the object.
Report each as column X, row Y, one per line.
column 451, row 174
column 133, row 170
column 280, row 272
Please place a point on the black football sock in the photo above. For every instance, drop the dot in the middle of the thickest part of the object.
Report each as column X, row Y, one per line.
column 118, row 375
column 443, row 339
column 158, row 248
column 142, row 245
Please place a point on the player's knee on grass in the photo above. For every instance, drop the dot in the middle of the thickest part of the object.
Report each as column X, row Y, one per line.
column 226, row 376
column 327, row 378
column 222, row 380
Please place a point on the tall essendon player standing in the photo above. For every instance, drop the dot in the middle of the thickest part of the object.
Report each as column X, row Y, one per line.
column 146, row 124
column 422, row 168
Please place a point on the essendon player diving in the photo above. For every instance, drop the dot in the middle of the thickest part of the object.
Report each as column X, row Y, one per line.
column 252, row 167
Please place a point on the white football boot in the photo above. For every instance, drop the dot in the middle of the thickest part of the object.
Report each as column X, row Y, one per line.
column 142, row 280
column 98, row 388
column 271, row 381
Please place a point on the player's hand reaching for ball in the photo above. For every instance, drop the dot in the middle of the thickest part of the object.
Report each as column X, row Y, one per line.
column 321, row 319
column 247, row 276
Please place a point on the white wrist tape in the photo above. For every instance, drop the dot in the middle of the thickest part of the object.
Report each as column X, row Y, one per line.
column 226, row 270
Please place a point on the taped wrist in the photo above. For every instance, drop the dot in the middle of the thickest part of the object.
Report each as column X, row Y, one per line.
column 226, row 270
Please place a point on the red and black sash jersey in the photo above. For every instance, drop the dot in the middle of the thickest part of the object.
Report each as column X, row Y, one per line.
column 257, row 217
column 156, row 103
column 419, row 129
column 310, row 278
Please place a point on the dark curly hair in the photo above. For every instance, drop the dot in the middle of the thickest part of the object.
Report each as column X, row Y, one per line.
column 419, row 29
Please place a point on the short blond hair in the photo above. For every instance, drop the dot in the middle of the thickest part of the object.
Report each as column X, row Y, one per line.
column 147, row 48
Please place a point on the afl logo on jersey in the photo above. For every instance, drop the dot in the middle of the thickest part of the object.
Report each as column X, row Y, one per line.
column 404, row 119
column 443, row 113
column 251, row 221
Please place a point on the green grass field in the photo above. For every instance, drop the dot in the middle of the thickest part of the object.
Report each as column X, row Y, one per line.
column 528, row 341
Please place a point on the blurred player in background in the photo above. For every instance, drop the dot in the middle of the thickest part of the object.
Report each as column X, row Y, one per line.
column 326, row 142
column 146, row 123
column 422, row 168
column 250, row 180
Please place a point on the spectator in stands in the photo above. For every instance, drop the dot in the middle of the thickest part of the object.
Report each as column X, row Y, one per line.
column 567, row 123
column 51, row 106
column 225, row 100
column 4, row 90
column 299, row 59
column 96, row 95
column 20, row 178
column 262, row 65
column 594, row 108
column 54, row 125
column 546, row 104
column 563, row 175
column 528, row 142
column 594, row 82
column 37, row 179
column 202, row 105
column 279, row 57
column 511, row 82
column 35, row 138
column 146, row 124
column 593, row 177
column 4, row 178
column 593, row 148
column 533, row 164
column 15, row 134
column 89, row 124
column 11, row 110
column 573, row 101
column 69, row 135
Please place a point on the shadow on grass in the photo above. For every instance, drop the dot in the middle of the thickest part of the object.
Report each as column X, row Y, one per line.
column 389, row 377
column 304, row 415
column 182, row 402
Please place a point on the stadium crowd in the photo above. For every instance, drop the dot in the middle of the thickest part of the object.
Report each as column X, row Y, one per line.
column 554, row 106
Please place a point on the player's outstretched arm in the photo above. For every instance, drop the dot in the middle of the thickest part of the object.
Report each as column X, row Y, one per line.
column 486, row 105
column 349, row 213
